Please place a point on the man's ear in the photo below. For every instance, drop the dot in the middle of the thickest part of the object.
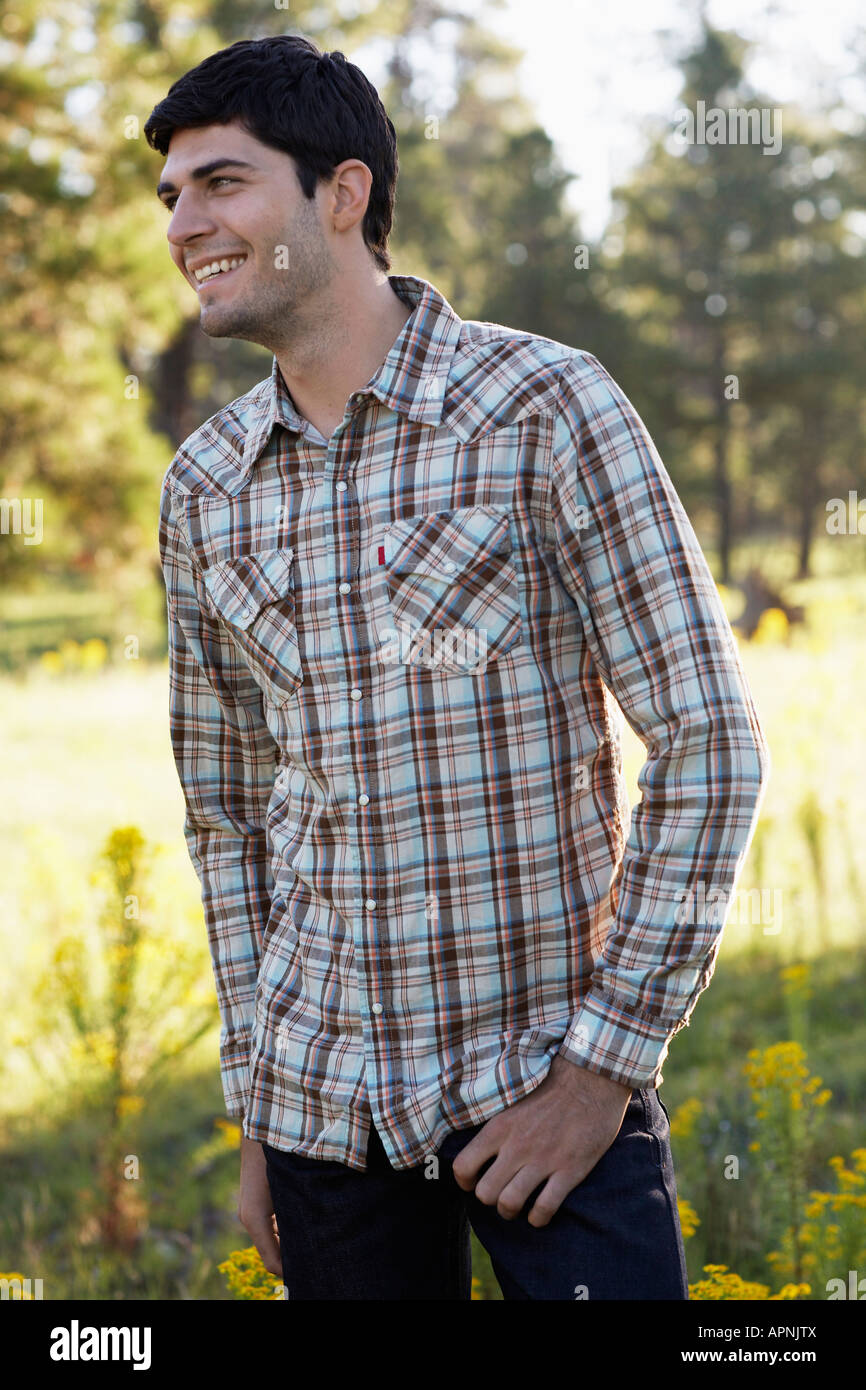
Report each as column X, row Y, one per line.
column 349, row 194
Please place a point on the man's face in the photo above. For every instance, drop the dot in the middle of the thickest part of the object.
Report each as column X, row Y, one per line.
column 250, row 217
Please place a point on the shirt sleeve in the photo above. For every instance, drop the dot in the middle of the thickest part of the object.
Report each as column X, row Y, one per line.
column 226, row 760
column 660, row 639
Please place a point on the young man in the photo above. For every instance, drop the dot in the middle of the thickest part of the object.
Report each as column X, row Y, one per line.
column 403, row 573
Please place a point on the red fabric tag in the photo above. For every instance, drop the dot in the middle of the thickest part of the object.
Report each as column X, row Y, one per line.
column 381, row 554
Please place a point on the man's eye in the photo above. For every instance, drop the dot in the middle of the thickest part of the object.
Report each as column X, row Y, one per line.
column 169, row 203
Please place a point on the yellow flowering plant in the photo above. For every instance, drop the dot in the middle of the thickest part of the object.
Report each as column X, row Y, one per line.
column 829, row 1238
column 111, row 995
column 248, row 1278
column 786, row 1100
column 823, row 1232
column 722, row 1285
column 16, row 1287
column 689, row 1219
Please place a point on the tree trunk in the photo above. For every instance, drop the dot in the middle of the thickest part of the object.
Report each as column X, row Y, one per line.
column 174, row 413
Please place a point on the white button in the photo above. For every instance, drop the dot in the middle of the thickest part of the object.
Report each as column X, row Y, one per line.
column 341, row 487
column 355, row 694
column 377, row 1008
column 449, row 565
column 249, row 612
column 345, row 588
column 363, row 799
column 370, row 904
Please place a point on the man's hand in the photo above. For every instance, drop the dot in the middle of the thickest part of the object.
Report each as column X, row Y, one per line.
column 256, row 1206
column 559, row 1132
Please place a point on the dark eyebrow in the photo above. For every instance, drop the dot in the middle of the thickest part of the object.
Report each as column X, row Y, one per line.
column 202, row 172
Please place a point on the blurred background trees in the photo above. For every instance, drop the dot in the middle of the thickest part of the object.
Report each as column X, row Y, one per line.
column 726, row 295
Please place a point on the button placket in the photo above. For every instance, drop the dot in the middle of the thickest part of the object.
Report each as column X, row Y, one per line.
column 356, row 694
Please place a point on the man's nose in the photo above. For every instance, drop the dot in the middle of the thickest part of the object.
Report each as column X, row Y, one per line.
column 189, row 219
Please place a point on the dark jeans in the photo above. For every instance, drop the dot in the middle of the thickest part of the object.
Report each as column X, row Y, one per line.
column 388, row 1234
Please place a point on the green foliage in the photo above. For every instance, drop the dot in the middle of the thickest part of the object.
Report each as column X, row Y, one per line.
column 822, row 1233
column 119, row 1016
column 107, row 370
column 745, row 289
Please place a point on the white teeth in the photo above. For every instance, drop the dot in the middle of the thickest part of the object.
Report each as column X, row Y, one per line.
column 205, row 272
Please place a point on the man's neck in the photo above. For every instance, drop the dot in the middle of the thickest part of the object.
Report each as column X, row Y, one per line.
column 349, row 346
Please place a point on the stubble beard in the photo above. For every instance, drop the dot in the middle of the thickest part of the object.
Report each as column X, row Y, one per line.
column 276, row 312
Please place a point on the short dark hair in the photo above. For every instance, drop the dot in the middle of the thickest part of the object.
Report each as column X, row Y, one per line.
column 317, row 107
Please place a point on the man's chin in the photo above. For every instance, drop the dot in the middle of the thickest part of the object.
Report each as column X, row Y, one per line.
column 218, row 323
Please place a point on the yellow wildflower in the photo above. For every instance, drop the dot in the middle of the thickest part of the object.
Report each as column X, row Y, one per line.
column 689, row 1219
column 684, row 1118
column 129, row 1105
column 247, row 1276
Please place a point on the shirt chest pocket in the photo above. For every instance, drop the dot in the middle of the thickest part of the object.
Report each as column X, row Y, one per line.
column 254, row 595
column 453, row 590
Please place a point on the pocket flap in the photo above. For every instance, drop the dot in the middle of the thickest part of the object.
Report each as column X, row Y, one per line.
column 446, row 543
column 241, row 587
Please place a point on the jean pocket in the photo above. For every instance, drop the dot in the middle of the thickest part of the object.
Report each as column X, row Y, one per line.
column 657, row 1124
column 287, row 1161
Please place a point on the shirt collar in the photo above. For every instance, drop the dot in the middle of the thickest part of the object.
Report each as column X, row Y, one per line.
column 411, row 380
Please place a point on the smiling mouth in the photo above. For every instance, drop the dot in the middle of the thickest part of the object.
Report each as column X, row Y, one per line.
column 217, row 270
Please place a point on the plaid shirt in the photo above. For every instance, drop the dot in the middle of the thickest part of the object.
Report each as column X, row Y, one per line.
column 392, row 655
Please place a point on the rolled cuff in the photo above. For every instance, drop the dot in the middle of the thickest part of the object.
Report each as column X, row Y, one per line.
column 616, row 1040
column 235, row 1074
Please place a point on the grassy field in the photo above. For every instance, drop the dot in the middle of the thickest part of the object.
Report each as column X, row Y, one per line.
column 109, row 1039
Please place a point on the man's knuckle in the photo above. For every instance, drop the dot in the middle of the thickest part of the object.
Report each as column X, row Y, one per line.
column 546, row 1208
